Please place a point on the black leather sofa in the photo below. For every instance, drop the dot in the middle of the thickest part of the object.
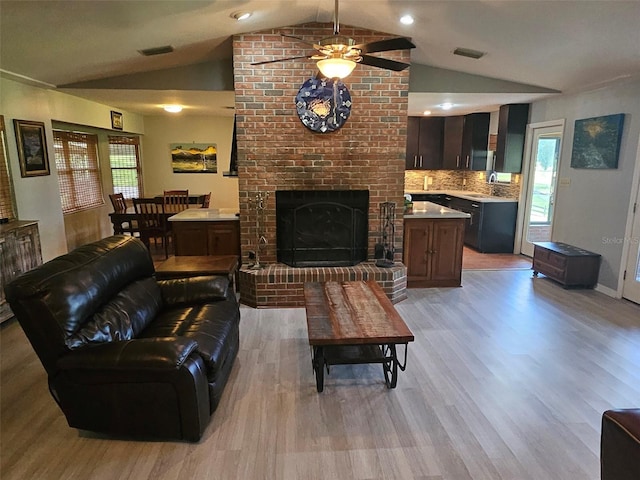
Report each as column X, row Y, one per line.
column 127, row 354
column 620, row 445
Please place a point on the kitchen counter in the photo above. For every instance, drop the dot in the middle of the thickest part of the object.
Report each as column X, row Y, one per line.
column 203, row 215
column 432, row 210
column 474, row 196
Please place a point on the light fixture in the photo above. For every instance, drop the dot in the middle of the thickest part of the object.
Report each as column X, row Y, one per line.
column 173, row 108
column 446, row 106
column 336, row 67
column 241, row 15
column 406, row 19
column 427, row 112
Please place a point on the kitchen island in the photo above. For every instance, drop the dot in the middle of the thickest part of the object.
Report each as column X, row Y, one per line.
column 205, row 231
column 433, row 243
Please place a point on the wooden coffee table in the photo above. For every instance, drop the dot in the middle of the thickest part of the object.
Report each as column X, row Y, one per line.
column 353, row 323
column 191, row 266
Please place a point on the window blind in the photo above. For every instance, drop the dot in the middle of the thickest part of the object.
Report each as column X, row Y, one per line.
column 7, row 209
column 124, row 158
column 78, row 172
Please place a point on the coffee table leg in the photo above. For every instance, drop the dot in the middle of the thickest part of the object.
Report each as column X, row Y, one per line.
column 318, row 367
column 390, row 367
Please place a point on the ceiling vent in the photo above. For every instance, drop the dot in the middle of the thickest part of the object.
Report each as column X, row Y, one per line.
column 156, row 51
column 467, row 52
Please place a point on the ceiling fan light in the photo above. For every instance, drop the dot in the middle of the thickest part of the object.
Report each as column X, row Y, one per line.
column 336, row 67
column 173, row 108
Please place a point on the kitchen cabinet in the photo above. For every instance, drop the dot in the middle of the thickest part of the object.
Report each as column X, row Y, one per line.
column 512, row 127
column 221, row 237
column 491, row 227
column 571, row 266
column 19, row 253
column 437, row 198
column 465, row 142
column 424, row 143
column 433, row 251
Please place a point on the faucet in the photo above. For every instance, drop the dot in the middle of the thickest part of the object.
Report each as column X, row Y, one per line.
column 493, row 178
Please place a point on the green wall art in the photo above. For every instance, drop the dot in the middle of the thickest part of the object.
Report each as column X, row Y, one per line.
column 596, row 142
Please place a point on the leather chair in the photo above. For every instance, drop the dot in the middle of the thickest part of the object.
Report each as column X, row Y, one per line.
column 124, row 353
column 620, row 445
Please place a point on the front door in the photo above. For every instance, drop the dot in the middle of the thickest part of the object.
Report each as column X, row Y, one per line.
column 541, row 184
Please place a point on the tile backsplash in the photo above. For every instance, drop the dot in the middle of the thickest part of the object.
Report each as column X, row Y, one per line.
column 472, row 181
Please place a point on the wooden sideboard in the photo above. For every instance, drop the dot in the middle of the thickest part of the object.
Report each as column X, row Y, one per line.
column 571, row 266
column 19, row 252
column 221, row 237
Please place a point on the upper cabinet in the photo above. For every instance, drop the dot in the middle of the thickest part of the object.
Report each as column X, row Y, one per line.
column 424, row 143
column 466, row 140
column 512, row 126
column 448, row 143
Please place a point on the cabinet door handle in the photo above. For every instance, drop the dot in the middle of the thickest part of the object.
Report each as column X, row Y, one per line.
column 467, row 161
column 457, row 161
column 415, row 161
column 420, row 161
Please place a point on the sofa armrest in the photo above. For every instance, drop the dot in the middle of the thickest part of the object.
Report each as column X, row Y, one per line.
column 203, row 289
column 620, row 445
column 144, row 354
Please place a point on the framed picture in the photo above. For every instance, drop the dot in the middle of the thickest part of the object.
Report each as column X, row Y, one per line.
column 596, row 142
column 194, row 157
column 116, row 120
column 32, row 148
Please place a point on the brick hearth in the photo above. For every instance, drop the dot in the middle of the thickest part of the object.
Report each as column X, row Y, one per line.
column 278, row 285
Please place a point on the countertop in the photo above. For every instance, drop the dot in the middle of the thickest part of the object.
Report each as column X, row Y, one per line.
column 474, row 196
column 203, row 215
column 432, row 210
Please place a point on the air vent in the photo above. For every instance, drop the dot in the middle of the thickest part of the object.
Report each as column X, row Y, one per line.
column 156, row 51
column 467, row 52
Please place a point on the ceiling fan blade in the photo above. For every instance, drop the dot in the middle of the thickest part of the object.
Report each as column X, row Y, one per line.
column 398, row 43
column 281, row 60
column 383, row 63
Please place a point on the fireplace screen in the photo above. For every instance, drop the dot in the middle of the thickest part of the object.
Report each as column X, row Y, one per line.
column 322, row 227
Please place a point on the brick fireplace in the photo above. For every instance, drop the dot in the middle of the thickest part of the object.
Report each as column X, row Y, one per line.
column 277, row 152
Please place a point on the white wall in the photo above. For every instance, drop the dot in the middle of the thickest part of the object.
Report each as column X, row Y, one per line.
column 591, row 212
column 38, row 198
column 161, row 131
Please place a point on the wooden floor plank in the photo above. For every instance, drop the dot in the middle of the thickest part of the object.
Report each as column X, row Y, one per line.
column 506, row 380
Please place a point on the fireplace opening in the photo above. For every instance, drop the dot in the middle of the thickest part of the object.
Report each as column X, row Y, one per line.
column 326, row 228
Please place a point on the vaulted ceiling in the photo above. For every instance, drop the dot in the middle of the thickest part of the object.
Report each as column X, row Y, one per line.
column 532, row 48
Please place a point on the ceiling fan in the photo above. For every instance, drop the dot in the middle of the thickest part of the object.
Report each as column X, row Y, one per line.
column 338, row 55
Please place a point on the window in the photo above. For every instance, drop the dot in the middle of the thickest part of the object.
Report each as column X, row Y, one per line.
column 78, row 172
column 125, row 165
column 6, row 196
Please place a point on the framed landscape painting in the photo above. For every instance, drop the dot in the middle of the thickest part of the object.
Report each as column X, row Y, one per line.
column 32, row 148
column 194, row 157
column 596, row 142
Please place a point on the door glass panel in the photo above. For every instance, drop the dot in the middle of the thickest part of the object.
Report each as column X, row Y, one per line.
column 547, row 151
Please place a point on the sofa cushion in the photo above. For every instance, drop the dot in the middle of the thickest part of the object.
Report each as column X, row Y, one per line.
column 211, row 325
column 123, row 317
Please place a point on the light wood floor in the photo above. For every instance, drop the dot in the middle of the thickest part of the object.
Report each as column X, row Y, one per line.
column 507, row 380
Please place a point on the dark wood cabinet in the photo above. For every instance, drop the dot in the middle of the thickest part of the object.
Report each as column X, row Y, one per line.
column 19, row 253
column 571, row 266
column 433, row 251
column 466, row 140
column 424, row 143
column 206, row 237
column 512, row 128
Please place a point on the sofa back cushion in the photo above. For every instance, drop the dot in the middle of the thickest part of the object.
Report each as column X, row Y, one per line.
column 62, row 304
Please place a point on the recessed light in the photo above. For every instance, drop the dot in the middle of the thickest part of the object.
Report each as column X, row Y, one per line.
column 173, row 108
column 427, row 112
column 406, row 19
column 446, row 106
column 241, row 15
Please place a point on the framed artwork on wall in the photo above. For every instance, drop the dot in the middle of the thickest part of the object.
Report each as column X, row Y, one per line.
column 194, row 157
column 596, row 142
column 116, row 120
column 32, row 148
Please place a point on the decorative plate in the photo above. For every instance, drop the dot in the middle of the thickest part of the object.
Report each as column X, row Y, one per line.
column 323, row 105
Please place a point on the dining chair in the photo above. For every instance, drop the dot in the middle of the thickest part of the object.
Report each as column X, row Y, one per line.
column 206, row 199
column 175, row 200
column 129, row 226
column 152, row 222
